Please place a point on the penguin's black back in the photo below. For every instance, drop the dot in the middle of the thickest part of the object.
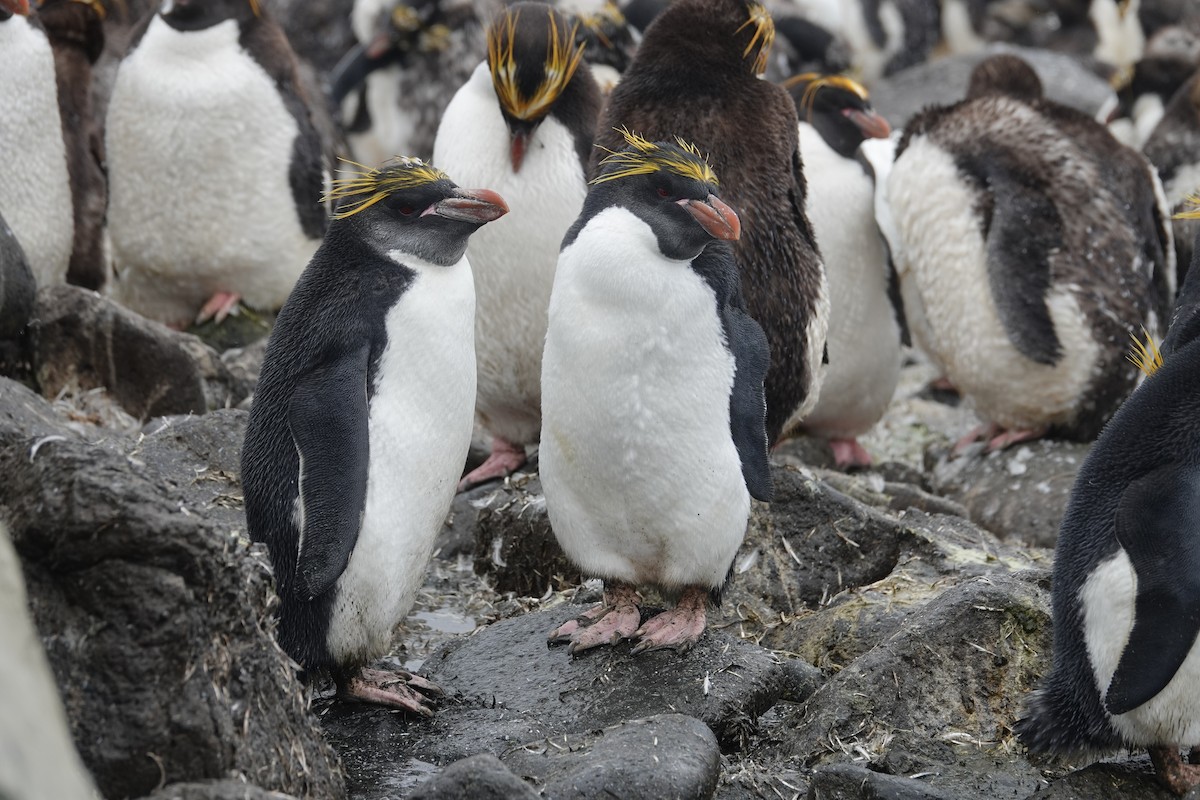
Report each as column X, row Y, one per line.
column 340, row 301
column 747, row 129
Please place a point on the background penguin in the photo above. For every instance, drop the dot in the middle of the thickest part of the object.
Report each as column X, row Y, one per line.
column 1126, row 603
column 1171, row 58
column 864, row 330
column 215, row 168
column 886, row 37
column 362, row 419
column 1174, row 149
column 523, row 123
column 35, row 187
column 645, row 273
column 1033, row 246
column 695, row 76
column 76, row 32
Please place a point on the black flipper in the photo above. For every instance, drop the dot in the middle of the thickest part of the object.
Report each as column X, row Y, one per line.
column 1158, row 524
column 354, row 67
column 1185, row 321
column 328, row 418
column 1024, row 231
column 748, row 400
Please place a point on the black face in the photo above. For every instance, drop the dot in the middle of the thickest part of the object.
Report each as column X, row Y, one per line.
column 684, row 213
column 842, row 117
column 195, row 15
column 432, row 221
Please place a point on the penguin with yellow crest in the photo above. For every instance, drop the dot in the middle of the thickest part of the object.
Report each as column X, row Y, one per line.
column 522, row 124
column 1127, row 574
column 362, row 419
column 653, row 409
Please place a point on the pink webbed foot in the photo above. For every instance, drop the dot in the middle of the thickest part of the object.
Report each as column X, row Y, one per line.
column 1172, row 772
column 616, row 618
column 390, row 689
column 985, row 431
column 1008, row 438
column 679, row 628
column 943, row 384
column 504, row 459
column 849, row 453
column 218, row 307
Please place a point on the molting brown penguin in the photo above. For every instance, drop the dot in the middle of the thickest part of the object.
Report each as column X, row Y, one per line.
column 1033, row 245
column 695, row 75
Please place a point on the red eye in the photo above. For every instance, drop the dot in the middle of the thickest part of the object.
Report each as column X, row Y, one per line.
column 663, row 192
column 407, row 210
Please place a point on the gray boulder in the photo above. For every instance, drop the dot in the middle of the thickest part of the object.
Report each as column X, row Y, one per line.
column 481, row 777
column 17, row 287
column 217, row 790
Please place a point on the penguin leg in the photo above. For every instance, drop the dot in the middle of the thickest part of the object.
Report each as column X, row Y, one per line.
column 849, row 453
column 218, row 307
column 504, row 459
column 985, row 431
column 616, row 618
column 679, row 628
column 390, row 689
column 1172, row 772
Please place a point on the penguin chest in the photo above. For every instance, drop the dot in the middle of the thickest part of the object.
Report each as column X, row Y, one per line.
column 35, row 189
column 863, row 336
column 420, row 422
column 515, row 258
column 200, row 146
column 643, row 482
column 1108, row 598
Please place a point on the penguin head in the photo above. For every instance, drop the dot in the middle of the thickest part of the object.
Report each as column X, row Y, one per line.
column 532, row 55
column 606, row 37
column 409, row 206
column 737, row 36
column 195, row 15
column 839, row 108
column 1005, row 74
column 670, row 187
column 10, row 7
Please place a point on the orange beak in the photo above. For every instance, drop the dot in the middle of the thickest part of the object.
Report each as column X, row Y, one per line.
column 716, row 217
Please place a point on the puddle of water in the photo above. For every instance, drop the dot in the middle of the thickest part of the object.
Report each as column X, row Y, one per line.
column 445, row 620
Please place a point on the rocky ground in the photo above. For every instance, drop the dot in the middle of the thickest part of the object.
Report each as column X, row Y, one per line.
column 879, row 634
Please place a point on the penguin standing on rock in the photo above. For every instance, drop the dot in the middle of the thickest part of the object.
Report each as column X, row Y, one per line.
column 695, row 75
column 362, row 419
column 649, row 458
column 524, row 124
column 836, row 117
column 1032, row 246
column 1126, row 595
column 215, row 167
column 35, row 187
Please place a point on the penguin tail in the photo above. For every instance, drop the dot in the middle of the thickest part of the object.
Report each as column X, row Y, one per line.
column 1055, row 725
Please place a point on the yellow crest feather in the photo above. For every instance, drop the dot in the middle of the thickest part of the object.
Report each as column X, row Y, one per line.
column 256, row 8
column 365, row 186
column 1145, row 355
column 816, row 82
column 563, row 55
column 609, row 13
column 647, row 157
column 1193, row 207
column 764, row 35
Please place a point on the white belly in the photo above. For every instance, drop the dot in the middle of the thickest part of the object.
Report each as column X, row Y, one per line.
column 947, row 295
column 199, row 149
column 1173, row 715
column 35, row 189
column 863, row 336
column 514, row 258
column 642, row 479
column 420, row 429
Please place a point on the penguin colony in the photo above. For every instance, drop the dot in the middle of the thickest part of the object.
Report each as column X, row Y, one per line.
column 687, row 242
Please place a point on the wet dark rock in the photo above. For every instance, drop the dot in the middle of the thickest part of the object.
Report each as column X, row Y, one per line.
column 238, row 330
column 17, row 287
column 854, row 782
column 801, row 679
column 1109, row 781
column 943, row 689
column 481, row 777
column 157, row 621
column 84, row 340
column 668, row 755
column 1020, row 493
column 216, row 790
column 514, row 544
column 462, row 525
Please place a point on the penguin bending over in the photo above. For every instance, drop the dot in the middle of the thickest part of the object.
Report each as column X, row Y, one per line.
column 35, row 187
column 649, row 459
column 523, row 124
column 864, row 326
column 215, row 167
column 695, row 75
column 1032, row 246
column 362, row 419
column 1126, row 597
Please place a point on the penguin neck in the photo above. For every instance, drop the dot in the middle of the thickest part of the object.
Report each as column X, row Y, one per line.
column 842, row 136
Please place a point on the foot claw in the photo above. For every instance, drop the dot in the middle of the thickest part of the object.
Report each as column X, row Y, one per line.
column 391, row 690
column 849, row 453
column 218, row 307
column 504, row 459
column 678, row 629
column 607, row 623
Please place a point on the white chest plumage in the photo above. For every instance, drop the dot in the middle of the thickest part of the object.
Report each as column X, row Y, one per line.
column 863, row 336
column 514, row 258
column 420, row 428
column 643, row 482
column 1173, row 715
column 199, row 146
column 35, row 189
column 942, row 265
